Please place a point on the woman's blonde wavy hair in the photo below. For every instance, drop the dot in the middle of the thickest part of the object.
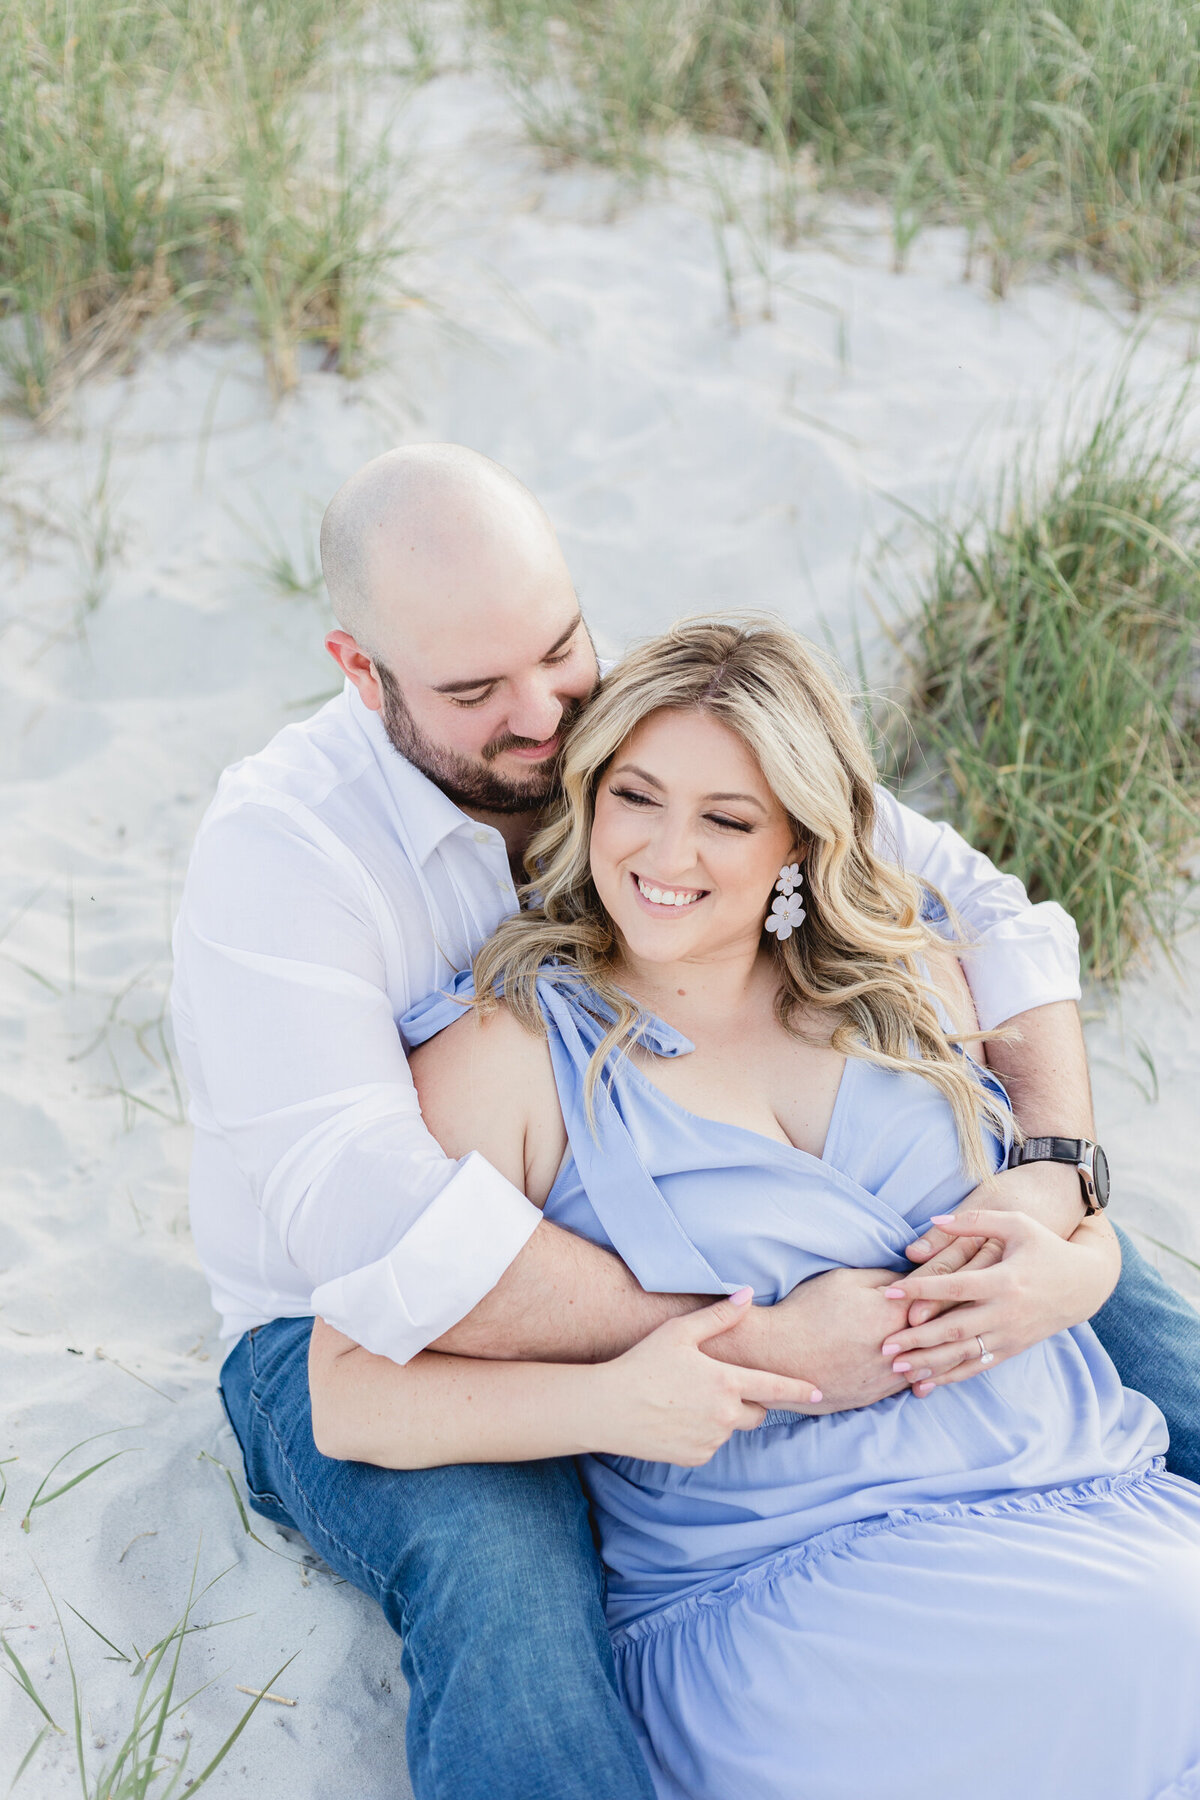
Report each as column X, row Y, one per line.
column 857, row 957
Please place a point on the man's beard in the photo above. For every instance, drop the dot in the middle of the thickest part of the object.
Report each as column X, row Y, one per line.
column 469, row 781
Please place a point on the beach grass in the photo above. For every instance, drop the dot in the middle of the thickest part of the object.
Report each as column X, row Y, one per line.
column 1051, row 680
column 178, row 156
column 1069, row 131
column 139, row 1768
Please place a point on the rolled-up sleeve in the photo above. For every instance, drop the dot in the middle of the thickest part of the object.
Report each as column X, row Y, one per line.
column 285, row 1001
column 1021, row 955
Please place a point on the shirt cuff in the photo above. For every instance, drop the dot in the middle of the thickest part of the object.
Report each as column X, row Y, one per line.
column 442, row 1267
column 1027, row 961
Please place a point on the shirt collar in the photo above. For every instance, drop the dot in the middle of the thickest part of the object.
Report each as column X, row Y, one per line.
column 429, row 815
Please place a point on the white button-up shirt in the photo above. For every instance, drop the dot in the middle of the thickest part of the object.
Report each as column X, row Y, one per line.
column 332, row 886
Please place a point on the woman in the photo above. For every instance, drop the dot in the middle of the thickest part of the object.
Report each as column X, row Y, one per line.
column 719, row 1049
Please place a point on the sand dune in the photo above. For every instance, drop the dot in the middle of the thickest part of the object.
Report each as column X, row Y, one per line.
column 582, row 337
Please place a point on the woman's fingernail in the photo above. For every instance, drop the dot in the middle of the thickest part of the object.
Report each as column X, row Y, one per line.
column 742, row 1297
column 923, row 1374
column 942, row 1219
column 917, row 1244
column 923, row 1389
column 894, row 1293
column 816, row 1395
column 903, row 1368
column 891, row 1349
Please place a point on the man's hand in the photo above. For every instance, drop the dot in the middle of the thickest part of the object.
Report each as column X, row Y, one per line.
column 828, row 1331
column 1047, row 1192
column 1040, row 1285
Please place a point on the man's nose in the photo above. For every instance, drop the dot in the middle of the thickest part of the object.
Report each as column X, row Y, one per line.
column 537, row 714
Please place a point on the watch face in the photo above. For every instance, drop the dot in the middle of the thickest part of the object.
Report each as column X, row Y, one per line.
column 1100, row 1175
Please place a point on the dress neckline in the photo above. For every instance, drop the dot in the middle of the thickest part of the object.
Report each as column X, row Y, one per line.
column 784, row 1146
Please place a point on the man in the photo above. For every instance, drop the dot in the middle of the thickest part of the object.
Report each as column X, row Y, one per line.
column 342, row 874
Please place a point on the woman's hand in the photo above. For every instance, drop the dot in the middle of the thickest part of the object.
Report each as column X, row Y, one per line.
column 1048, row 1192
column 1040, row 1285
column 666, row 1401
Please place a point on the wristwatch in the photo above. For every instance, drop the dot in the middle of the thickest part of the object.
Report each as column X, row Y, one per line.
column 1088, row 1158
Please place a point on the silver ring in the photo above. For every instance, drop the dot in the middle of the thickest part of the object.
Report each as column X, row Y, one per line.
column 985, row 1355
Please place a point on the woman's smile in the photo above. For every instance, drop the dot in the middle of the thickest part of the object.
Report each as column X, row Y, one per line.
column 658, row 897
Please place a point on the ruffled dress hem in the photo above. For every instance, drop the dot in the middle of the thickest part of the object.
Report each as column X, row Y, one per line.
column 827, row 1543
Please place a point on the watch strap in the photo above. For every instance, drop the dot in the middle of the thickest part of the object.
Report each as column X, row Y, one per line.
column 1048, row 1149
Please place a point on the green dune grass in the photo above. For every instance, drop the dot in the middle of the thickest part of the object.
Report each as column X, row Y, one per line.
column 181, row 154
column 1070, row 130
column 1053, row 681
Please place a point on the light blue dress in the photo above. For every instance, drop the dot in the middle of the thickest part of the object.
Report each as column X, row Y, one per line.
column 991, row 1594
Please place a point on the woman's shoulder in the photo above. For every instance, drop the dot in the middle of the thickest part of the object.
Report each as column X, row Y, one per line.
column 486, row 1082
column 490, row 1044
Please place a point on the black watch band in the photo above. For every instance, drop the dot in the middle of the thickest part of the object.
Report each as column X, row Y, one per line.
column 1087, row 1158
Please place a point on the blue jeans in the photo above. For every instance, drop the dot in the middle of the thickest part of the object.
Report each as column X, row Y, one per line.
column 1153, row 1337
column 490, row 1575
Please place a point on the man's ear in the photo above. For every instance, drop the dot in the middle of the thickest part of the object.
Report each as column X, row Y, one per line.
column 355, row 663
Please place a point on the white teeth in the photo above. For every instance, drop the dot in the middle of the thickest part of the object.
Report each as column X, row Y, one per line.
column 667, row 896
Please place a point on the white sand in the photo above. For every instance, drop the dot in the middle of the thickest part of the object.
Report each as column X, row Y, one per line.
column 686, row 464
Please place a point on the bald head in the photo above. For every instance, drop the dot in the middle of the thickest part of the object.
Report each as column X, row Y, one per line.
column 423, row 533
column 460, row 624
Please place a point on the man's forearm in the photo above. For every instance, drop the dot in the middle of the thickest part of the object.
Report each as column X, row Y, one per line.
column 1043, row 1064
column 562, row 1299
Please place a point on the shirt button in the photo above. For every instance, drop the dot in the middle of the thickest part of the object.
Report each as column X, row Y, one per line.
column 481, row 837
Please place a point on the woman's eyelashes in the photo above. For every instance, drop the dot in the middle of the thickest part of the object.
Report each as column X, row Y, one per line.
column 634, row 797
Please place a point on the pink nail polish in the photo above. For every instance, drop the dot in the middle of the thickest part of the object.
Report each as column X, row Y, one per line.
column 817, row 1396
column 901, row 1368
column 894, row 1293
column 942, row 1219
column 924, row 1374
column 742, row 1296
column 891, row 1350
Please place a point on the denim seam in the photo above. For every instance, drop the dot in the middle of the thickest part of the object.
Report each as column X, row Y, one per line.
column 416, row 1677
column 361, row 1562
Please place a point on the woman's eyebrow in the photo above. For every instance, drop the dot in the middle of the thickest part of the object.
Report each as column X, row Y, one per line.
column 642, row 774
column 747, row 798
column 654, row 782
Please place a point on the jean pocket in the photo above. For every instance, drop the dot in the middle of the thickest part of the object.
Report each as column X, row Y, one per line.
column 258, row 1463
column 249, row 1431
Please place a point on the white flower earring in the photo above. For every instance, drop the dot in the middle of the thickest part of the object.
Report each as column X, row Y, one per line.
column 786, row 914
